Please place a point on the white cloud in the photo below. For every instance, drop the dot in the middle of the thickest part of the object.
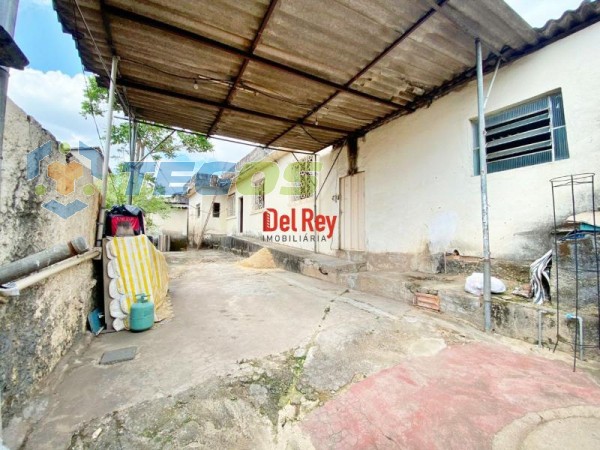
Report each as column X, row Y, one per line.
column 538, row 12
column 54, row 99
column 229, row 151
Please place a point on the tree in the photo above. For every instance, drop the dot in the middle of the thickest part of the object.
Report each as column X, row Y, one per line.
column 152, row 142
column 146, row 198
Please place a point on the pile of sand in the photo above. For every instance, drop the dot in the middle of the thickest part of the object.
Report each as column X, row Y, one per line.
column 262, row 259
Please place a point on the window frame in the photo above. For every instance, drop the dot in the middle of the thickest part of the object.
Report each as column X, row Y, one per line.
column 528, row 113
column 306, row 181
column 258, row 184
column 231, row 205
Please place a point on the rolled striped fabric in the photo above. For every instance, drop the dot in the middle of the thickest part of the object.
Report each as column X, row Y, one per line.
column 540, row 278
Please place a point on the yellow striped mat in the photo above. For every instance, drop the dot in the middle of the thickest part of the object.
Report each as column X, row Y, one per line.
column 135, row 266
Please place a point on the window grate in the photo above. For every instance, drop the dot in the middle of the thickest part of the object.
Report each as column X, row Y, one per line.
column 528, row 134
column 304, row 176
column 259, row 194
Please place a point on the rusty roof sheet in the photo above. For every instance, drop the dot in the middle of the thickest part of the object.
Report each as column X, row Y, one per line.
column 289, row 73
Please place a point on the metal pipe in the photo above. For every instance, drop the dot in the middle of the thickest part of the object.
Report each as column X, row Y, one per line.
column 14, row 288
column 132, row 168
column 489, row 91
column 580, row 319
column 109, row 119
column 556, row 263
column 576, row 255
column 8, row 18
column 541, row 313
column 578, row 332
column 487, row 272
column 41, row 260
column 316, row 245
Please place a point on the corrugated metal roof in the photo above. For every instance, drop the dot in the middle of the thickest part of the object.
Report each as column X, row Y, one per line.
column 295, row 74
column 587, row 13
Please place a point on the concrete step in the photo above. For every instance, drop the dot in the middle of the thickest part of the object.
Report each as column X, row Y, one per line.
column 306, row 262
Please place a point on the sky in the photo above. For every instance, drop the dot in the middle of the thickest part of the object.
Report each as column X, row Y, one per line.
column 51, row 88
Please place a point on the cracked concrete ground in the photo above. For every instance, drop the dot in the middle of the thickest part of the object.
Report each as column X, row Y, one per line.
column 263, row 359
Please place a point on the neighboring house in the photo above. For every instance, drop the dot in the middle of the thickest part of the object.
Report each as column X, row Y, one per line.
column 410, row 189
column 175, row 225
column 207, row 197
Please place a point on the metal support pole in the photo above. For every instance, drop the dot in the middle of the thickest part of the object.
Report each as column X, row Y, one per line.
column 133, row 168
column 316, row 246
column 8, row 18
column 487, row 272
column 109, row 119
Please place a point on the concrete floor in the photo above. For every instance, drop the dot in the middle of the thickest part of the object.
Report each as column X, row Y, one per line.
column 272, row 359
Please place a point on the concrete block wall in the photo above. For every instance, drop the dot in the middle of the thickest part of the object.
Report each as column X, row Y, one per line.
column 38, row 327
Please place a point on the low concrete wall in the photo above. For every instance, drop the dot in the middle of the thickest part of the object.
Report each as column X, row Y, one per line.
column 512, row 316
column 40, row 325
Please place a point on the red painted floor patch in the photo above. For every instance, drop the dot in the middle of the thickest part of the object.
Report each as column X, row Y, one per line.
column 457, row 399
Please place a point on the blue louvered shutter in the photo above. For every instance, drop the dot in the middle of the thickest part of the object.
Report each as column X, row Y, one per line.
column 525, row 135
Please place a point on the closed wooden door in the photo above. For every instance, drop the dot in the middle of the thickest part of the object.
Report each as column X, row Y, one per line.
column 352, row 212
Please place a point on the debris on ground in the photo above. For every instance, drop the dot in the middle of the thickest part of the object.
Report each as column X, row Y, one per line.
column 119, row 355
column 523, row 291
column 262, row 259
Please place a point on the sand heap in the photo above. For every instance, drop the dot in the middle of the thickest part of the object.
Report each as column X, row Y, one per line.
column 262, row 259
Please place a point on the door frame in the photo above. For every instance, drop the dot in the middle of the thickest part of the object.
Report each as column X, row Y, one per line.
column 241, row 214
column 340, row 218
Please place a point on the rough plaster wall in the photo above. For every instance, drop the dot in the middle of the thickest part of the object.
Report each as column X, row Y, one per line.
column 40, row 325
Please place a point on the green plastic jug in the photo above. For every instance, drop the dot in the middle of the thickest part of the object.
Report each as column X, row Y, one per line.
column 141, row 316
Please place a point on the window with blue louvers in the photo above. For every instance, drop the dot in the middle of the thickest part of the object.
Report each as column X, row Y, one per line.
column 528, row 134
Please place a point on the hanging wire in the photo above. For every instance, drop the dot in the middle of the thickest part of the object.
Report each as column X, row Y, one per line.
column 98, row 53
column 200, row 78
column 311, row 136
column 209, row 79
column 218, row 138
column 332, row 166
column 85, row 80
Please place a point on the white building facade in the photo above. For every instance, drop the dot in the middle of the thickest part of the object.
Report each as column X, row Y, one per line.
column 414, row 191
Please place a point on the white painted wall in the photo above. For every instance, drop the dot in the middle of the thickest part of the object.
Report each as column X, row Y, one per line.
column 421, row 191
column 253, row 218
column 195, row 222
column 174, row 225
column 421, row 195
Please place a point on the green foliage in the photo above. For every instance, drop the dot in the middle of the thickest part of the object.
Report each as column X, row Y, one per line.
column 152, row 141
column 147, row 199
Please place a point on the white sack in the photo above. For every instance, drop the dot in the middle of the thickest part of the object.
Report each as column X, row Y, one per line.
column 474, row 284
